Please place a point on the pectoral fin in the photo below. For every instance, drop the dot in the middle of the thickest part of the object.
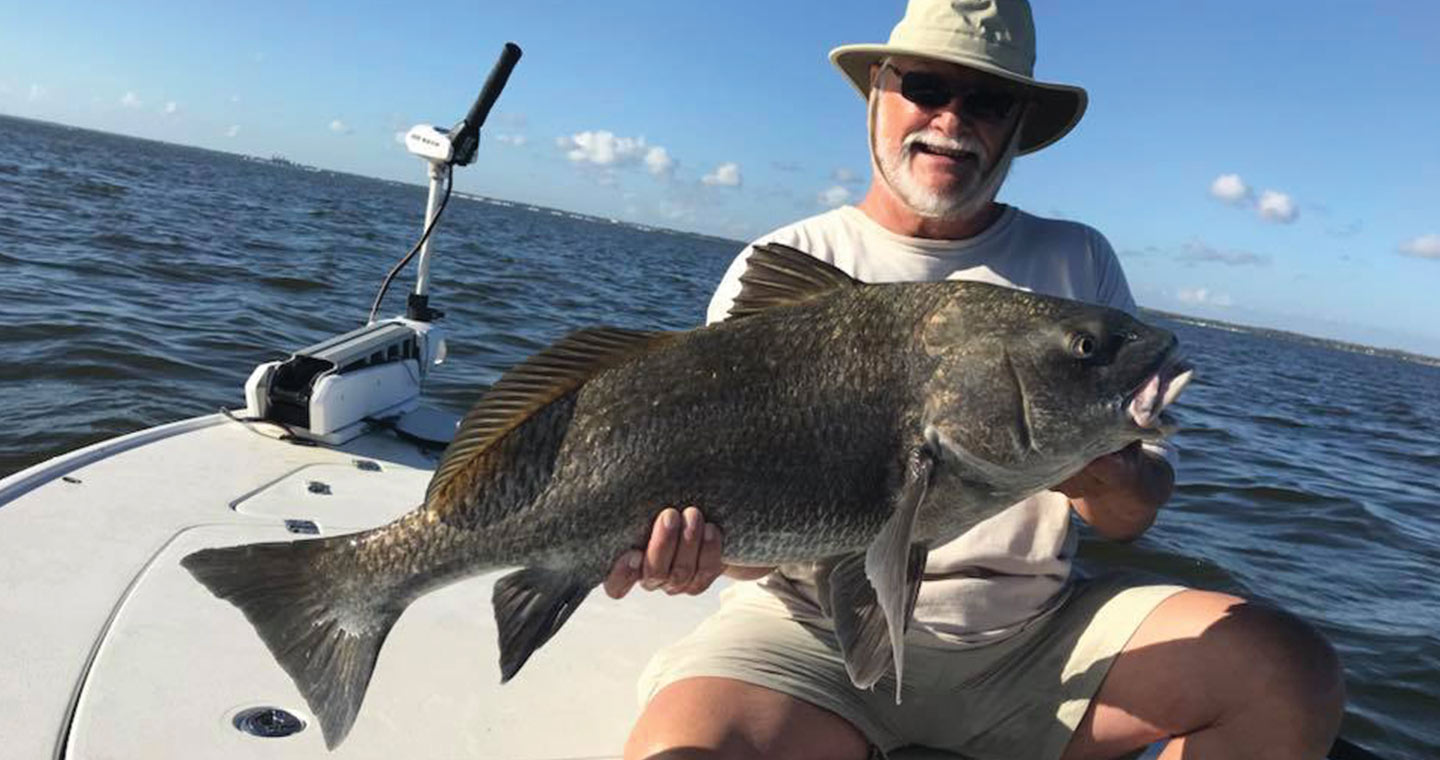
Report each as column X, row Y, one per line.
column 874, row 609
column 860, row 624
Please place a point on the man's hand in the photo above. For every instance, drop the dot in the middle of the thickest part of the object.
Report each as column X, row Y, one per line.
column 1120, row 493
column 683, row 557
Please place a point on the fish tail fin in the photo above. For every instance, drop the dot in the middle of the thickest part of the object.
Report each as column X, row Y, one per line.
column 327, row 642
column 530, row 606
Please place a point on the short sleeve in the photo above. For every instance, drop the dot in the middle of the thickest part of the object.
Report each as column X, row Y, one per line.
column 1111, row 287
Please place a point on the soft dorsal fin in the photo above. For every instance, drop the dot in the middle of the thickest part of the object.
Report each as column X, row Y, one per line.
column 529, row 387
column 776, row 275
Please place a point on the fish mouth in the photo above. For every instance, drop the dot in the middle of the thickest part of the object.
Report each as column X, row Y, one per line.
column 1158, row 391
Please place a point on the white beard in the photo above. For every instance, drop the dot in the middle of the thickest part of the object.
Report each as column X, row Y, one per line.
column 963, row 202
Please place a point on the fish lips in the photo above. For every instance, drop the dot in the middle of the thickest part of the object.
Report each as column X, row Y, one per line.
column 1145, row 403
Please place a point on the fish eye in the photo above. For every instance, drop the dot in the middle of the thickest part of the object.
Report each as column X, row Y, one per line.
column 1083, row 345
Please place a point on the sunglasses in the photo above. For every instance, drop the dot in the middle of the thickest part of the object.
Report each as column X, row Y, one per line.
column 930, row 91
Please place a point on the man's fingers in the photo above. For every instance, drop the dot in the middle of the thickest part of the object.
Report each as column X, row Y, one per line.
column 711, row 565
column 660, row 552
column 624, row 574
column 687, row 555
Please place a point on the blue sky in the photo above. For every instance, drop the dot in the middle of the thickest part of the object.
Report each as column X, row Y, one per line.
column 1271, row 163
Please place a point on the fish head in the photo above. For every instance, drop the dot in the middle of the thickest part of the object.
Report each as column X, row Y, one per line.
column 1026, row 389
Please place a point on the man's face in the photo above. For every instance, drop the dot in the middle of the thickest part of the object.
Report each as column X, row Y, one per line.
column 940, row 129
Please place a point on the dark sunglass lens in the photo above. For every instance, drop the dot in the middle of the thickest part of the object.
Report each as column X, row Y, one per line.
column 989, row 105
column 925, row 89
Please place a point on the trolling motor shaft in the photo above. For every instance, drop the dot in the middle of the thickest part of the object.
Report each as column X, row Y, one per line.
column 445, row 149
column 329, row 391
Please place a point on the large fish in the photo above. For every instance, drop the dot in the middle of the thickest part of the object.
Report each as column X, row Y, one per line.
column 826, row 420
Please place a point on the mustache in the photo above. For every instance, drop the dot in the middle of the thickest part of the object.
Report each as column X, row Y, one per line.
column 962, row 144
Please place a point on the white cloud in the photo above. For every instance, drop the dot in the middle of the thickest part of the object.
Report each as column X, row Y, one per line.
column 36, row 92
column 1272, row 206
column 835, row 195
column 1230, row 189
column 845, row 176
column 602, row 148
column 233, row 130
column 234, row 98
column 170, row 107
column 516, row 140
column 1275, row 206
column 1198, row 296
column 339, row 127
column 725, row 175
column 130, row 100
column 659, row 162
column 1423, row 247
column 400, row 136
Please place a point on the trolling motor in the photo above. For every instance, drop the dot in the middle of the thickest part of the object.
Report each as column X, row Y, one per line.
column 328, row 391
column 445, row 149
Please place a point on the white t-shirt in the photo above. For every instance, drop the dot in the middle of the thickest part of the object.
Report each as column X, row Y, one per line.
column 1015, row 566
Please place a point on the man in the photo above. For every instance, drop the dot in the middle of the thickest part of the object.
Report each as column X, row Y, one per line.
column 1008, row 655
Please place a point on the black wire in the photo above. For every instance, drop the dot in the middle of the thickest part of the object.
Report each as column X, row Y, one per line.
column 393, row 425
column 384, row 286
column 289, row 436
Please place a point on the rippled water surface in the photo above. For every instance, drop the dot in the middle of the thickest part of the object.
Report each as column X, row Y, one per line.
column 140, row 283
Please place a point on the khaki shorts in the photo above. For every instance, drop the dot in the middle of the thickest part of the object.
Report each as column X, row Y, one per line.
column 1018, row 698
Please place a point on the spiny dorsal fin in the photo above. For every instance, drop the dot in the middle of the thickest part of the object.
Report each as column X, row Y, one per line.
column 527, row 388
column 776, row 275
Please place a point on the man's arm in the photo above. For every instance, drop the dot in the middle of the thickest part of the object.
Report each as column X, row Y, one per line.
column 1119, row 494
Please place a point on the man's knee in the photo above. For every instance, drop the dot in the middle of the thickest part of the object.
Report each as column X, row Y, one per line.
column 1291, row 670
column 724, row 718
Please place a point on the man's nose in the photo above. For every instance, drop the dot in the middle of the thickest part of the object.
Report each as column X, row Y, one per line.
column 947, row 119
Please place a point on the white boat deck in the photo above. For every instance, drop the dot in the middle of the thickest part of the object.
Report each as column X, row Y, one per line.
column 111, row 650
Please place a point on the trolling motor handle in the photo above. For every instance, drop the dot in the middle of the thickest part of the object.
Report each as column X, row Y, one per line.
column 466, row 137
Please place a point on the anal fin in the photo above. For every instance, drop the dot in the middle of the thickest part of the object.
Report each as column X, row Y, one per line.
column 530, row 606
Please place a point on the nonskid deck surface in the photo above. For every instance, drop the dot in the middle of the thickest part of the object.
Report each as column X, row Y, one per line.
column 118, row 653
column 150, row 665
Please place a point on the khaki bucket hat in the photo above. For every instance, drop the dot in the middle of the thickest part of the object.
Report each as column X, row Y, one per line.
column 993, row 36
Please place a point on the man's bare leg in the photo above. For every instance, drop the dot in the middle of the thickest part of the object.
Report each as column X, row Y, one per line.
column 1227, row 678
column 724, row 718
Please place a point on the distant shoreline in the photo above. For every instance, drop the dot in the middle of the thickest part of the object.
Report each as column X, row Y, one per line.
column 281, row 162
column 1294, row 337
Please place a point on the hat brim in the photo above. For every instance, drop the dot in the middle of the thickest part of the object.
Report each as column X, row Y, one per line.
column 1055, row 108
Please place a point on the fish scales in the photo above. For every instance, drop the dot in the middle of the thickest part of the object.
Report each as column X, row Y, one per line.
column 658, row 432
column 827, row 421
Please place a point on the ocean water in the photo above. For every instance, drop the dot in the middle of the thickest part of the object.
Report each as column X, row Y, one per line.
column 141, row 282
